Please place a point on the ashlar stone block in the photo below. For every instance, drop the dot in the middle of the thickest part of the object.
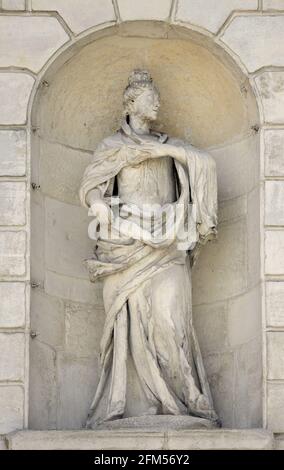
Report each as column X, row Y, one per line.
column 271, row 89
column 88, row 440
column 47, row 318
column 220, row 370
column 275, row 406
column 13, row 4
column 66, row 242
column 12, row 408
column 279, row 442
column 78, row 379
column 75, row 289
column 253, row 240
column 66, row 165
column 230, row 439
column 231, row 209
column 3, row 444
column 37, row 236
column 257, row 40
column 274, row 252
column 12, row 253
column 273, row 4
column 12, row 304
column 248, row 384
column 237, row 168
column 210, row 321
column 274, row 197
column 275, row 303
column 244, row 317
column 144, row 9
column 210, row 14
column 12, row 354
column 12, row 203
column 13, row 153
column 79, row 15
column 29, row 41
column 15, row 89
column 83, row 329
column 274, row 152
column 220, row 272
column 275, row 353
column 43, row 389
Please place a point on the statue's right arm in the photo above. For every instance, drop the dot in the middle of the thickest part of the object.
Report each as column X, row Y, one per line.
column 100, row 209
column 93, row 197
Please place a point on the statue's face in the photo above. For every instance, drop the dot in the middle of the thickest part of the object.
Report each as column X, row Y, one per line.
column 146, row 105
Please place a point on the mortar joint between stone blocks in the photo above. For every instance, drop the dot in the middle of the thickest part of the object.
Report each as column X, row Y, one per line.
column 41, row 13
column 173, row 10
column 275, row 381
column 166, row 441
column 60, row 19
column 266, row 68
column 14, row 69
column 236, row 13
column 116, row 11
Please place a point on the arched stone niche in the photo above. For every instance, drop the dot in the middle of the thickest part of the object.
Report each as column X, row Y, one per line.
column 207, row 100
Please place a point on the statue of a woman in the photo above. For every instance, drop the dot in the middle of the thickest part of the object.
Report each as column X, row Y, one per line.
column 151, row 362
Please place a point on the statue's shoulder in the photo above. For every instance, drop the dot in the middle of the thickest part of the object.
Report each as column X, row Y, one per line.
column 182, row 143
column 176, row 141
column 110, row 141
column 200, row 154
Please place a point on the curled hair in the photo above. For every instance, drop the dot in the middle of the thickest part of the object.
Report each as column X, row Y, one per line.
column 138, row 82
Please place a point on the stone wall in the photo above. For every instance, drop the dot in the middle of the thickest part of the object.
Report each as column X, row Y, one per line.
column 36, row 33
column 270, row 84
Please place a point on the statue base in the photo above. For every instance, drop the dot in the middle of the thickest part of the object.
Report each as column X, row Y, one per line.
column 158, row 423
column 134, row 439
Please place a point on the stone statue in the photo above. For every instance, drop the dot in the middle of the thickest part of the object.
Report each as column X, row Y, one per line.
column 150, row 358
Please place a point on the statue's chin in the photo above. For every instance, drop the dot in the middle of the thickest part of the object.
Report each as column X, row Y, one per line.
column 151, row 118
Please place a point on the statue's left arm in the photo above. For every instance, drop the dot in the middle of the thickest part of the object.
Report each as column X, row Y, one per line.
column 201, row 170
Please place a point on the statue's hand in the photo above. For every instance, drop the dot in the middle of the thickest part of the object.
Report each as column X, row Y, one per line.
column 101, row 211
column 157, row 150
column 154, row 150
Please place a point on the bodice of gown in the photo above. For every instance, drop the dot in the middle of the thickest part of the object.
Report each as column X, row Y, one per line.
column 150, row 182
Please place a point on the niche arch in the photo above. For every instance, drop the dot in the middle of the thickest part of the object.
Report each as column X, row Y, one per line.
column 206, row 99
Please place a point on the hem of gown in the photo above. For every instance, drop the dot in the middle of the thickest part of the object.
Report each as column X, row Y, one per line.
column 158, row 422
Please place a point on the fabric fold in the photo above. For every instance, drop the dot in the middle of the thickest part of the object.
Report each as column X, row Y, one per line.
column 131, row 259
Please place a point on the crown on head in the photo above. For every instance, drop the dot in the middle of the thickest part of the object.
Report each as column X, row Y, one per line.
column 139, row 78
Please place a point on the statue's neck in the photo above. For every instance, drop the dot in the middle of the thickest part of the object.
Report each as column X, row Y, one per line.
column 138, row 125
column 129, row 126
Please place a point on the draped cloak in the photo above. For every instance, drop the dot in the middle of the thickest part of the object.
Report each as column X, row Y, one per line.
column 130, row 261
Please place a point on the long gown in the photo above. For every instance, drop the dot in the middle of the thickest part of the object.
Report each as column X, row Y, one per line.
column 151, row 363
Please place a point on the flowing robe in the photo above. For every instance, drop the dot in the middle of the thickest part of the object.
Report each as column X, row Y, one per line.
column 147, row 284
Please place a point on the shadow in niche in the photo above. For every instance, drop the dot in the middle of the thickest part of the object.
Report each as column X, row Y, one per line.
column 204, row 102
